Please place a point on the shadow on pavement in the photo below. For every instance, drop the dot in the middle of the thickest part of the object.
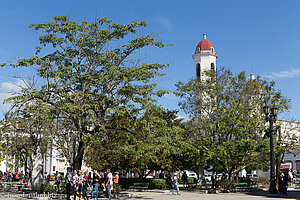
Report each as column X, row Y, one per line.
column 292, row 194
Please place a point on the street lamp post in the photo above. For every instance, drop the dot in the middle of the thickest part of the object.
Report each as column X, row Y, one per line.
column 271, row 114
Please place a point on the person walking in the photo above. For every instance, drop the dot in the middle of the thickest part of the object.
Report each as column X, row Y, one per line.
column 102, row 182
column 22, row 177
column 57, row 180
column 10, row 177
column 75, row 183
column 90, row 178
column 96, row 179
column 45, row 177
column 175, row 184
column 69, row 182
column 48, row 178
column 79, row 187
column 85, row 185
column 285, row 181
column 116, row 184
column 17, row 176
column 109, row 183
column 5, row 177
column 184, row 179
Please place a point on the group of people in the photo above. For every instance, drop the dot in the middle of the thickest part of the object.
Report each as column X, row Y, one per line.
column 283, row 181
column 15, row 177
column 78, row 182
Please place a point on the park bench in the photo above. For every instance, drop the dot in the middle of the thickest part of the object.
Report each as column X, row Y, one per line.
column 241, row 186
column 139, row 186
column 297, row 185
column 11, row 184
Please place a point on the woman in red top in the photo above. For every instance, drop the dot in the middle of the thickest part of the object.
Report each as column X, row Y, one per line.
column 116, row 183
column 1, row 176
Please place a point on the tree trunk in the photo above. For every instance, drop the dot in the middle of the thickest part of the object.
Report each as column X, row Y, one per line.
column 149, row 172
column 25, row 163
column 200, row 174
column 37, row 169
column 79, row 157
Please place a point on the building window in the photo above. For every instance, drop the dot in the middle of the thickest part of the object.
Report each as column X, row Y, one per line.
column 212, row 67
column 198, row 70
column 298, row 165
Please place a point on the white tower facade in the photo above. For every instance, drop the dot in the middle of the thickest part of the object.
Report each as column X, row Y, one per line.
column 205, row 58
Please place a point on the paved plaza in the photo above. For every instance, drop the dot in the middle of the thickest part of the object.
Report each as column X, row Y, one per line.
column 221, row 196
column 187, row 195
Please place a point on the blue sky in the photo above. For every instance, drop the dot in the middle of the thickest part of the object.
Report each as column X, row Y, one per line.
column 253, row 36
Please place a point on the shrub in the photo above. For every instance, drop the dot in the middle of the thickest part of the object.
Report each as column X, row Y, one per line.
column 46, row 187
column 245, row 180
column 126, row 182
column 158, row 183
column 117, row 188
column 180, row 181
column 224, row 183
column 63, row 188
column 189, row 181
column 262, row 181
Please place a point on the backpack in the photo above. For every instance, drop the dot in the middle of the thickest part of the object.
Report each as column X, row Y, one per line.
column 18, row 176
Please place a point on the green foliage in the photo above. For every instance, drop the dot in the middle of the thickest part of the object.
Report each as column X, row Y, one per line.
column 26, row 130
column 226, row 130
column 190, row 180
column 180, row 181
column 117, row 188
column 46, row 188
column 99, row 90
column 286, row 140
column 224, row 183
column 126, row 182
column 63, row 188
column 262, row 182
column 157, row 183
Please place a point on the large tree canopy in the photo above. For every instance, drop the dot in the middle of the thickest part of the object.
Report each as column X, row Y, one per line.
column 93, row 79
column 227, row 123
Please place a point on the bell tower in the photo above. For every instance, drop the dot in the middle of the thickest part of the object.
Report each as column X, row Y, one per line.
column 205, row 58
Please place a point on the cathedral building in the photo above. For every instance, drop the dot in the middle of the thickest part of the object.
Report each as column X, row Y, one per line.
column 205, row 59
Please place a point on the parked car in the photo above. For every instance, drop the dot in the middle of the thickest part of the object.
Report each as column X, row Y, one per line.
column 207, row 177
column 192, row 174
column 252, row 175
column 297, row 179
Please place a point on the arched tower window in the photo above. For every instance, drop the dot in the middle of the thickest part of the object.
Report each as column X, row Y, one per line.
column 198, row 71
column 212, row 67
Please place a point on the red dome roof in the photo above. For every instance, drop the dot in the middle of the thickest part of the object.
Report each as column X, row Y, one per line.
column 204, row 44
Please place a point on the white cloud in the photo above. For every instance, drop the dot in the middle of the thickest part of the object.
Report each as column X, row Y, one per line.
column 184, row 119
column 283, row 74
column 165, row 22
column 170, row 96
column 9, row 89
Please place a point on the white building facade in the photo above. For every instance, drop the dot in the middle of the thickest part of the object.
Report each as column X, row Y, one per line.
column 205, row 58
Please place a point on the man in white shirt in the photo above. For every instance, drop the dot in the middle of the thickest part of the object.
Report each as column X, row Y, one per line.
column 75, row 183
column 175, row 184
column 109, row 183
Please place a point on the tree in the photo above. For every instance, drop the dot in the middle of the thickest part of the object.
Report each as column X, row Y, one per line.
column 92, row 77
column 156, row 145
column 27, row 136
column 227, row 119
column 287, row 141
